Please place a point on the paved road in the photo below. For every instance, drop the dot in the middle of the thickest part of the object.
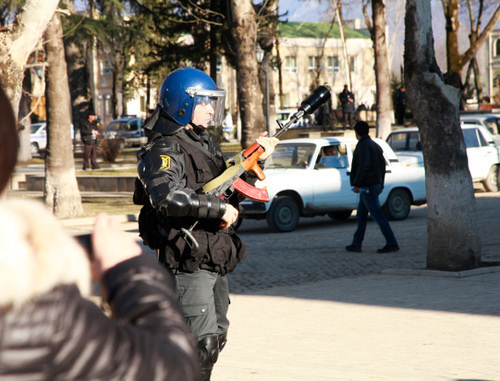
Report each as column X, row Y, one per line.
column 315, row 250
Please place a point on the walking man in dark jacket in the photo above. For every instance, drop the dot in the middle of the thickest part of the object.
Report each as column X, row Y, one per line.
column 367, row 179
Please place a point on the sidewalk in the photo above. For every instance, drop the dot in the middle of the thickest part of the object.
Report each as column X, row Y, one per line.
column 375, row 327
column 401, row 324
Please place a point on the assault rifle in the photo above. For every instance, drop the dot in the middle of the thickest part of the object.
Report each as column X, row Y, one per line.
column 246, row 160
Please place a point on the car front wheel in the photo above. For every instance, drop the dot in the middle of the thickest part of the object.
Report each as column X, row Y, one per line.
column 34, row 149
column 490, row 183
column 283, row 215
column 398, row 204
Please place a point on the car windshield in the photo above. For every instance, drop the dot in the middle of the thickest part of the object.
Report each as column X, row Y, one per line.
column 35, row 128
column 125, row 125
column 473, row 138
column 283, row 116
column 404, row 141
column 493, row 124
column 291, row 155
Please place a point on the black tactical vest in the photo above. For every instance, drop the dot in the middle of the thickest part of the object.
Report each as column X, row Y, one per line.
column 219, row 251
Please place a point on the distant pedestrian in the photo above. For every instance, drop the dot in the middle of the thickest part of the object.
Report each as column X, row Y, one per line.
column 367, row 179
column 89, row 132
column 346, row 99
column 401, row 106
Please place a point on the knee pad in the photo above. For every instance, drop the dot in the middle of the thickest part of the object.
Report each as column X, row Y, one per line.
column 222, row 341
column 208, row 347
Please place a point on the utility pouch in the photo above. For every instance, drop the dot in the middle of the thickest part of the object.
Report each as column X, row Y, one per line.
column 149, row 228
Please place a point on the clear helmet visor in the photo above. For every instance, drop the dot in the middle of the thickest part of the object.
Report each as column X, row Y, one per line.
column 208, row 106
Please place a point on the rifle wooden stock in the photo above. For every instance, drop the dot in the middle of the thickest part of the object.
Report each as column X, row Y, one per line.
column 252, row 154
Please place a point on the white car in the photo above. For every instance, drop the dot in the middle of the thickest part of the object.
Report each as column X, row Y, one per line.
column 488, row 120
column 303, row 182
column 482, row 153
column 284, row 115
column 38, row 137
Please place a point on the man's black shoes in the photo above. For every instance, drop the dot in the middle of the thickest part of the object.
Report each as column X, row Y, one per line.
column 354, row 248
column 388, row 249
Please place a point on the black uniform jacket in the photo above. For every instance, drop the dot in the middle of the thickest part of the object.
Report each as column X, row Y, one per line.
column 172, row 170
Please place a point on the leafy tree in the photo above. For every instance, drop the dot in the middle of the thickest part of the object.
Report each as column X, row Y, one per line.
column 16, row 44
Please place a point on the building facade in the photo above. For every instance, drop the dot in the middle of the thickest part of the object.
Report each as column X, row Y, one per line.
column 493, row 70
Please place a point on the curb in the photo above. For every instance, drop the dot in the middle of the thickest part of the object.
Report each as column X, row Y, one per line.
column 443, row 274
column 123, row 218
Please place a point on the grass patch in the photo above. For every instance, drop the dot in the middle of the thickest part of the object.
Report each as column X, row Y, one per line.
column 94, row 205
column 113, row 171
column 110, row 205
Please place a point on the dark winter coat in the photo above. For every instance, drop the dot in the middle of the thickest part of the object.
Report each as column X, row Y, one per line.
column 64, row 337
column 86, row 128
column 49, row 331
column 368, row 164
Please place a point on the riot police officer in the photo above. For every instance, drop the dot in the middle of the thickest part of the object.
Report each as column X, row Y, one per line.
column 178, row 160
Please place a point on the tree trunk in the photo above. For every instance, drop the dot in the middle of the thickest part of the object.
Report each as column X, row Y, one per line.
column 244, row 30
column 79, row 85
column 24, row 119
column 16, row 44
column 61, row 189
column 453, row 240
column 382, row 72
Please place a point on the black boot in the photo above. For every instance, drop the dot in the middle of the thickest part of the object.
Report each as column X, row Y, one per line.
column 208, row 348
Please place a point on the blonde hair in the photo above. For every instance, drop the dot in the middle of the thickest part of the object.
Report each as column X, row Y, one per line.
column 36, row 253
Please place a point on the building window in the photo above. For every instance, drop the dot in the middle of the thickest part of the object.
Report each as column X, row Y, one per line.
column 313, row 63
column 333, row 64
column 291, row 64
column 105, row 68
column 497, row 48
column 219, row 65
column 352, row 64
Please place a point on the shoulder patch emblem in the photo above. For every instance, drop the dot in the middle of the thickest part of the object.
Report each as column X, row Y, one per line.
column 165, row 162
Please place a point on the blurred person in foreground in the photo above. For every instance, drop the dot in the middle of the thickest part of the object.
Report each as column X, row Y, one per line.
column 178, row 160
column 49, row 330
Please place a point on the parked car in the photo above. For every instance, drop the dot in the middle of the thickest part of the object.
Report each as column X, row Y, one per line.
column 38, row 137
column 482, row 153
column 490, row 121
column 303, row 182
column 127, row 131
column 284, row 115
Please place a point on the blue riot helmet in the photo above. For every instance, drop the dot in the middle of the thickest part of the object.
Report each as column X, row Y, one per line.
column 184, row 88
